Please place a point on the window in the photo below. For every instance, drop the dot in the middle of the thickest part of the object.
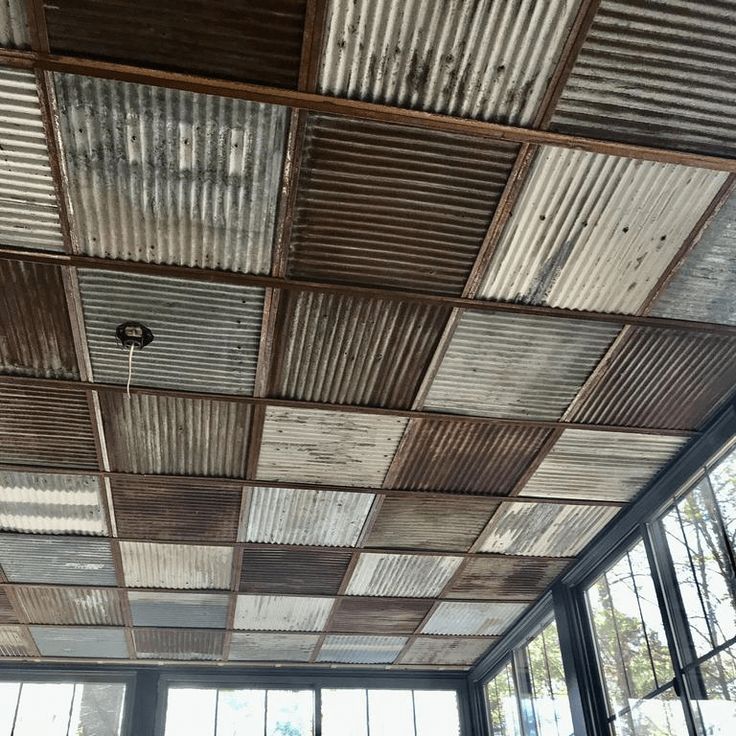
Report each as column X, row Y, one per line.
column 503, row 703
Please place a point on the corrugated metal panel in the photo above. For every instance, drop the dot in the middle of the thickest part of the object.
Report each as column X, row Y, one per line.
column 163, row 434
column 378, row 615
column 51, row 504
column 445, row 650
column 485, row 619
column 430, row 523
column 186, row 610
column 36, row 559
column 183, row 566
column 309, row 446
column 166, row 176
column 281, row 613
column 264, row 647
column 178, row 644
column 656, row 73
column 595, row 232
column 321, row 518
column 153, row 508
column 80, row 641
column 601, row 465
column 7, row 614
column 13, row 24
column 361, row 649
column 13, row 642
column 304, row 571
column 255, row 40
column 484, row 59
column 39, row 426
column 516, row 365
column 29, row 213
column 205, row 338
column 84, row 606
column 407, row 576
column 662, row 378
column 346, row 350
column 704, row 283
column 392, row 206
column 543, row 529
column 37, row 339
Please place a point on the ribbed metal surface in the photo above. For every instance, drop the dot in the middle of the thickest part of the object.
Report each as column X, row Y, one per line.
column 39, row 426
column 517, row 366
column 407, row 576
column 430, row 523
column 178, row 644
column 13, row 24
column 281, row 613
column 601, row 465
column 595, row 232
column 488, row 619
column 205, row 339
column 484, row 59
column 13, row 642
column 318, row 518
column 263, row 647
column 186, row 610
column 361, row 649
column 656, row 73
column 163, row 434
column 7, row 614
column 80, row 641
column 29, row 214
column 347, row 350
column 166, row 176
column 390, row 206
column 445, row 650
column 545, row 530
column 37, row 339
column 309, row 446
column 184, row 566
column 37, row 559
column 84, row 606
column 378, row 615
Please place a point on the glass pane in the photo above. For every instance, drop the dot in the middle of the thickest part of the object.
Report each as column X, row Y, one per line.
column 190, row 712
column 436, row 713
column 503, row 708
column 660, row 716
column 241, row 712
column 390, row 712
column 344, row 713
column 723, row 479
column 9, row 692
column 44, row 708
column 98, row 709
column 289, row 713
column 718, row 713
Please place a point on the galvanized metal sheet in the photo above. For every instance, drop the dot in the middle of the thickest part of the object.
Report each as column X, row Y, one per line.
column 14, row 642
column 185, row 610
column 166, row 176
column 393, row 206
column 516, row 365
column 84, row 606
column 378, row 615
column 601, row 465
column 309, row 446
column 205, row 339
column 29, row 558
column 281, row 613
column 544, row 529
column 403, row 575
column 14, row 24
column 80, row 641
column 29, row 213
column 484, row 59
column 483, row 618
column 164, row 434
column 183, row 566
column 317, row 518
column 263, row 647
column 361, row 649
column 7, row 612
column 596, row 232
column 445, row 650
column 178, row 644
column 656, row 73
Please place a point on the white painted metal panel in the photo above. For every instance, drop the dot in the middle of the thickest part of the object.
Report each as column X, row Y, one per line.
column 489, row 619
column 281, row 613
column 361, row 649
column 265, row 647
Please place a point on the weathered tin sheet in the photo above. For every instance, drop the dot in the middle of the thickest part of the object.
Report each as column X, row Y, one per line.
column 281, row 613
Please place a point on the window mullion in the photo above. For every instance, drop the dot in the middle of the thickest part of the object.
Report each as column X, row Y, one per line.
column 724, row 534
column 524, row 692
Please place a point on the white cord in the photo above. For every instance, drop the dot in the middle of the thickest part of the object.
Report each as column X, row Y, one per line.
column 130, row 368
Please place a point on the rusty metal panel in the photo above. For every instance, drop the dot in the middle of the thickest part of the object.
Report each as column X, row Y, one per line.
column 80, row 641
column 166, row 176
column 298, row 571
column 517, row 366
column 27, row 558
column 29, row 212
column 543, row 529
column 83, row 606
column 346, row 350
column 178, row 644
column 309, row 446
column 205, row 339
column 657, row 73
column 171, row 510
column 378, row 615
column 315, row 518
column 7, row 614
column 402, row 575
column 14, row 642
column 14, row 25
column 281, row 613
column 392, row 206
column 445, row 650
column 264, row 647
column 430, row 523
column 361, row 649
column 181, row 566
column 602, row 465
column 596, row 232
column 165, row 434
column 40, row 426
column 487, row 60
column 473, row 618
column 37, row 339
column 179, row 610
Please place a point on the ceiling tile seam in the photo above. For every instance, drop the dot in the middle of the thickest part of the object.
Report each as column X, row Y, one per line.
column 235, row 574
column 417, row 631
column 36, row 14
column 315, row 21
column 402, row 454
column 75, row 315
column 23, row 620
column 254, row 440
column 117, row 561
column 370, row 521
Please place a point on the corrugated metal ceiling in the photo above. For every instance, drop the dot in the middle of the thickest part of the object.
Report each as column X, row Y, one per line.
column 13, row 24
column 378, row 615
column 433, row 650
column 281, row 613
column 265, row 647
column 186, row 610
column 82, row 606
column 361, row 649
column 178, row 644
column 472, row 618
column 14, row 642
column 80, row 641
column 7, row 612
